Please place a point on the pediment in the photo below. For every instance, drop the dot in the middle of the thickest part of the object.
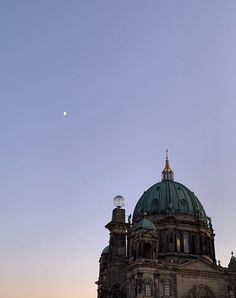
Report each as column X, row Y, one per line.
column 200, row 265
column 146, row 234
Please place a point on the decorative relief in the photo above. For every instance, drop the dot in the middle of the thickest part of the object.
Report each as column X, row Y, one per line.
column 205, row 274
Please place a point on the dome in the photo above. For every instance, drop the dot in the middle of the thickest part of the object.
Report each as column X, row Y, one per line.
column 105, row 250
column 145, row 224
column 169, row 197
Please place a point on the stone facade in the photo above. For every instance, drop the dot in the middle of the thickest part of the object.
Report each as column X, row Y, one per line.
column 167, row 251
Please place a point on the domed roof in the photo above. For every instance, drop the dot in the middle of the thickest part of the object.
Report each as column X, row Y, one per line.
column 105, row 250
column 169, row 197
column 145, row 224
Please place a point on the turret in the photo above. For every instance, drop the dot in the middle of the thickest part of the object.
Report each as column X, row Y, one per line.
column 116, row 271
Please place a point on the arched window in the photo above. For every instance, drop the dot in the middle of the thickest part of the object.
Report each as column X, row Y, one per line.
column 167, row 290
column 147, row 250
column 193, row 243
column 171, row 241
column 167, row 287
column 163, row 241
column 148, row 290
column 178, row 246
column 186, row 242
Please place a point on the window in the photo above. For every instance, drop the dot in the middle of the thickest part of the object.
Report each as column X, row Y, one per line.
column 148, row 290
column 186, row 242
column 193, row 243
column 167, row 289
column 147, row 250
column 178, row 247
column 163, row 241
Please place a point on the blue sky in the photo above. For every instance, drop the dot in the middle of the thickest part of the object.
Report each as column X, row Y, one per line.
column 136, row 77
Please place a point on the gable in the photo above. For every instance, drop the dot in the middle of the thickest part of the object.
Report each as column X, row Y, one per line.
column 200, row 265
column 146, row 234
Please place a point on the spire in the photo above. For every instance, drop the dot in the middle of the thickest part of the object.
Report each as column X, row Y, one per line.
column 167, row 173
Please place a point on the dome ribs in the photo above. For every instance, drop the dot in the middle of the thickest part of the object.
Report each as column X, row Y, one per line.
column 169, row 197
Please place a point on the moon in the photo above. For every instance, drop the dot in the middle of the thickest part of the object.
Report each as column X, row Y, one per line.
column 65, row 113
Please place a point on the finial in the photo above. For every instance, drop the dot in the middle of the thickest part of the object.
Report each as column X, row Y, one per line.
column 167, row 173
column 166, row 154
column 232, row 253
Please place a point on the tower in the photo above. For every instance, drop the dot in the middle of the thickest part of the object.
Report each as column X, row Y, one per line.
column 113, row 262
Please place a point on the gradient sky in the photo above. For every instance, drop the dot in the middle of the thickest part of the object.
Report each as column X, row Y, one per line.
column 136, row 77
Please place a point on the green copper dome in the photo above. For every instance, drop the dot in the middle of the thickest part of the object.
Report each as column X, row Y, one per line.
column 145, row 224
column 169, row 197
column 105, row 250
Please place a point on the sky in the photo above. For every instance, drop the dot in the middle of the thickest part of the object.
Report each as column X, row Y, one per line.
column 135, row 78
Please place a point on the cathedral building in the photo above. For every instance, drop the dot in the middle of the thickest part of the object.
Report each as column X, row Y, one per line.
column 166, row 251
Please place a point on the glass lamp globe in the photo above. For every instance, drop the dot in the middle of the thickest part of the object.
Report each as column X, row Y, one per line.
column 119, row 201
